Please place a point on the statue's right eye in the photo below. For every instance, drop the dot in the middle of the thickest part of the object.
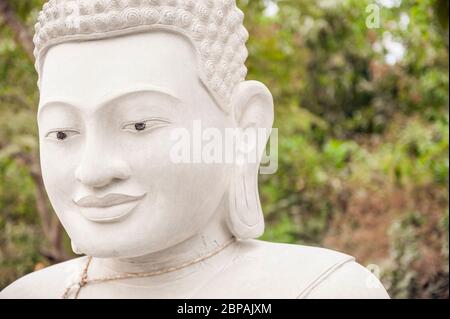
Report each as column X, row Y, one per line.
column 61, row 135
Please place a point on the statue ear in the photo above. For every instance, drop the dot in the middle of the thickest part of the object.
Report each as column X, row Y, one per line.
column 253, row 110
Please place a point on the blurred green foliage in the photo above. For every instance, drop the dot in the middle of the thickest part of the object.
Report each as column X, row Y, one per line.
column 363, row 132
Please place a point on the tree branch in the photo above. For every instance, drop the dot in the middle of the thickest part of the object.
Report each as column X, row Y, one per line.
column 50, row 224
column 21, row 33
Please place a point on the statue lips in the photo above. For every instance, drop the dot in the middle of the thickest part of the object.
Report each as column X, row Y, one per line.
column 108, row 209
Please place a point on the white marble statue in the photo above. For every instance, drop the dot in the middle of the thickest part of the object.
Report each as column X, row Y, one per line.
column 116, row 79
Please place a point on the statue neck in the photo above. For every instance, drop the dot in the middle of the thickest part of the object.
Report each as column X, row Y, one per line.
column 209, row 240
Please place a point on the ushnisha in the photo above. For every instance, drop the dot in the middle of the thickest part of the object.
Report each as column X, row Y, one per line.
column 116, row 79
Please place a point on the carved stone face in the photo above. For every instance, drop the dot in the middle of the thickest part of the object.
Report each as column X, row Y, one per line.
column 106, row 114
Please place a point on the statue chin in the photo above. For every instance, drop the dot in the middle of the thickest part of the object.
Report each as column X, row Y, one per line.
column 146, row 125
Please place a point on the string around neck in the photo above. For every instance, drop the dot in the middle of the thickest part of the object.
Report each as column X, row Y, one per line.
column 75, row 289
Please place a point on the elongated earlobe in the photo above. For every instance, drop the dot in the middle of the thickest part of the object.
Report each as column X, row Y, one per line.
column 75, row 249
column 253, row 109
column 246, row 219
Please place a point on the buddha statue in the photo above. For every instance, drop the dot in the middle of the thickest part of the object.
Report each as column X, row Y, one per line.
column 116, row 79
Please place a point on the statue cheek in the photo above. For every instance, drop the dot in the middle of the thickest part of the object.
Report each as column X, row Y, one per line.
column 58, row 169
column 148, row 153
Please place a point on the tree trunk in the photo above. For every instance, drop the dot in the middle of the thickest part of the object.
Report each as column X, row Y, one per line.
column 51, row 227
column 50, row 224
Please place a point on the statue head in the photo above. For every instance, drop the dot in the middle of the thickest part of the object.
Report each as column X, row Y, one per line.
column 116, row 79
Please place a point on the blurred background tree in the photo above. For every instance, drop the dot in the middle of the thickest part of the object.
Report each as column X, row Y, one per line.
column 362, row 111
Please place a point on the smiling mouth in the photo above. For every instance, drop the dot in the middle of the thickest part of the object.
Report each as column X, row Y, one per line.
column 107, row 209
column 107, row 201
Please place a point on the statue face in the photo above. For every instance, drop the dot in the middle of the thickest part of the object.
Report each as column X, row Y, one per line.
column 106, row 115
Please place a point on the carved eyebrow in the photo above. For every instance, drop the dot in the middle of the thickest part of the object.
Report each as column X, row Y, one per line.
column 110, row 97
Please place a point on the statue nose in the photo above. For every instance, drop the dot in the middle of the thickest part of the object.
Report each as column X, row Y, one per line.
column 95, row 171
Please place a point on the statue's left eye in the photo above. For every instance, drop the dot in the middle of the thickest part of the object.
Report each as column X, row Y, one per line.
column 145, row 125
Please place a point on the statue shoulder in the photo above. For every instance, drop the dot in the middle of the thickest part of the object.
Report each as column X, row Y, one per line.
column 270, row 270
column 350, row 281
column 48, row 283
